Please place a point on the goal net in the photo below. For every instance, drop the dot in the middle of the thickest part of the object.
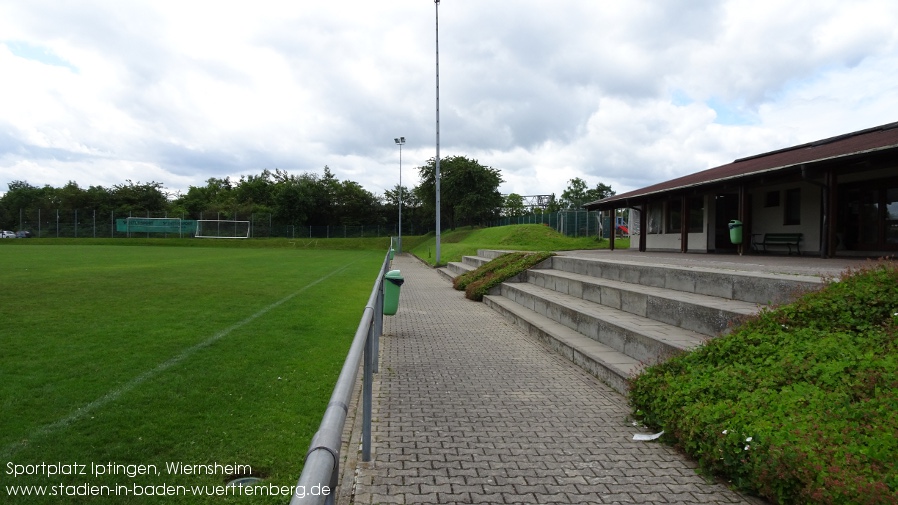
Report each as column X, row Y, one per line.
column 221, row 228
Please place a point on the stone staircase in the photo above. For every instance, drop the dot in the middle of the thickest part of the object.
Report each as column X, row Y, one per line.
column 468, row 263
column 612, row 317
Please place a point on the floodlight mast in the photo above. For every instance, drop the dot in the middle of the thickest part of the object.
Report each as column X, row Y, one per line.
column 400, row 141
column 437, row 164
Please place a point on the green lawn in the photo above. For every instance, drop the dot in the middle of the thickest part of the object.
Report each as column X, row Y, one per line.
column 149, row 355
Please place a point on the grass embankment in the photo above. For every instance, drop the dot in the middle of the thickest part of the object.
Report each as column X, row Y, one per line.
column 525, row 237
column 798, row 404
column 151, row 355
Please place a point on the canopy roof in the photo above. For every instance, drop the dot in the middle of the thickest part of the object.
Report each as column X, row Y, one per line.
column 850, row 144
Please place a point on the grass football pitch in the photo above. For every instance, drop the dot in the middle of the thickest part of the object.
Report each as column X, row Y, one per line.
column 139, row 374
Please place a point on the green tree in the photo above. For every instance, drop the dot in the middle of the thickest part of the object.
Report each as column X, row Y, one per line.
column 98, row 198
column 294, row 197
column 72, row 197
column 353, row 205
column 390, row 198
column 469, row 191
column 514, row 206
column 216, row 196
column 578, row 193
column 324, row 191
column 412, row 219
column 255, row 193
column 133, row 196
column 21, row 195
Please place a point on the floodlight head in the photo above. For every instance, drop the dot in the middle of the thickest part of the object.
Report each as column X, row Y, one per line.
column 402, row 140
column 396, row 140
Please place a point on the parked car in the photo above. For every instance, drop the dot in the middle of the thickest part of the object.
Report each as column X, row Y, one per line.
column 24, row 234
column 7, row 234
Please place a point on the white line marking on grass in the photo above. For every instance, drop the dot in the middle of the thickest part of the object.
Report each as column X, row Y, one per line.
column 113, row 395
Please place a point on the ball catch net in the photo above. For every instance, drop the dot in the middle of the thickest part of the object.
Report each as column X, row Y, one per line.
column 222, row 228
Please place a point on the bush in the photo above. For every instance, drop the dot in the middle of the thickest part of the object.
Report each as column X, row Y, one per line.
column 477, row 283
column 797, row 404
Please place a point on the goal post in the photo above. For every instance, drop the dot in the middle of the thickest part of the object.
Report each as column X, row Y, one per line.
column 222, row 228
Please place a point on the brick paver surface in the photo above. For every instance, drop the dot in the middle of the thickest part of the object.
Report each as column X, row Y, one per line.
column 468, row 409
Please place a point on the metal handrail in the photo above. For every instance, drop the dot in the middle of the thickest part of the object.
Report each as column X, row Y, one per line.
column 322, row 464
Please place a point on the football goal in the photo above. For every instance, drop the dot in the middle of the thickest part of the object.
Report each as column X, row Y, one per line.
column 222, row 228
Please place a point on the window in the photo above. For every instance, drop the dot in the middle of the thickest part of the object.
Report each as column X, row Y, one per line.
column 793, row 207
column 674, row 216
column 654, row 218
column 772, row 199
column 891, row 208
column 696, row 214
column 892, row 203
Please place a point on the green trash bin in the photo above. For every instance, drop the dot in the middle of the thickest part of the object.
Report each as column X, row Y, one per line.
column 392, row 253
column 392, row 282
column 735, row 231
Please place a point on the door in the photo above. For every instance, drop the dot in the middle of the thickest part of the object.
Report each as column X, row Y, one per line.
column 726, row 208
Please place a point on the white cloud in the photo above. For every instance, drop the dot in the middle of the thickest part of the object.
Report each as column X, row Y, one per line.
column 626, row 93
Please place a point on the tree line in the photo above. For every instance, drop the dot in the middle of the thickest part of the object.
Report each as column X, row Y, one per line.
column 469, row 195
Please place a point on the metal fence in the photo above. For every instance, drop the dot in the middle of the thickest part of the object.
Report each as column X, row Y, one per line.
column 322, row 463
column 60, row 223
column 573, row 223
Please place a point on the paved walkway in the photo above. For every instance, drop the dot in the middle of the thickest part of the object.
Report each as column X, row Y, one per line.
column 468, row 409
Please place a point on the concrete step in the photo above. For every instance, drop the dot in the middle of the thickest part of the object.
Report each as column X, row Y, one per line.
column 456, row 268
column 446, row 273
column 611, row 317
column 475, row 261
column 608, row 365
column 642, row 339
column 705, row 314
column 754, row 287
column 492, row 253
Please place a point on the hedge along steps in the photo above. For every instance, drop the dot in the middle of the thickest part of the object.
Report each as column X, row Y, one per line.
column 797, row 404
column 478, row 282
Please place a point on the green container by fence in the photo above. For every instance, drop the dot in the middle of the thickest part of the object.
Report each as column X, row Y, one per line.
column 392, row 253
column 392, row 283
column 735, row 231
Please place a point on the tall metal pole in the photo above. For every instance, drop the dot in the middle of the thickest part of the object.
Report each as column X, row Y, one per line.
column 400, row 195
column 399, row 142
column 437, row 174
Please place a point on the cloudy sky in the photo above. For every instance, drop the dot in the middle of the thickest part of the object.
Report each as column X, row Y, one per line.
column 628, row 93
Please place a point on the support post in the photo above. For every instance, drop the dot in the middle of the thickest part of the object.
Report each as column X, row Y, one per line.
column 378, row 326
column 832, row 194
column 613, row 232
column 643, row 227
column 743, row 216
column 684, row 225
column 367, row 394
